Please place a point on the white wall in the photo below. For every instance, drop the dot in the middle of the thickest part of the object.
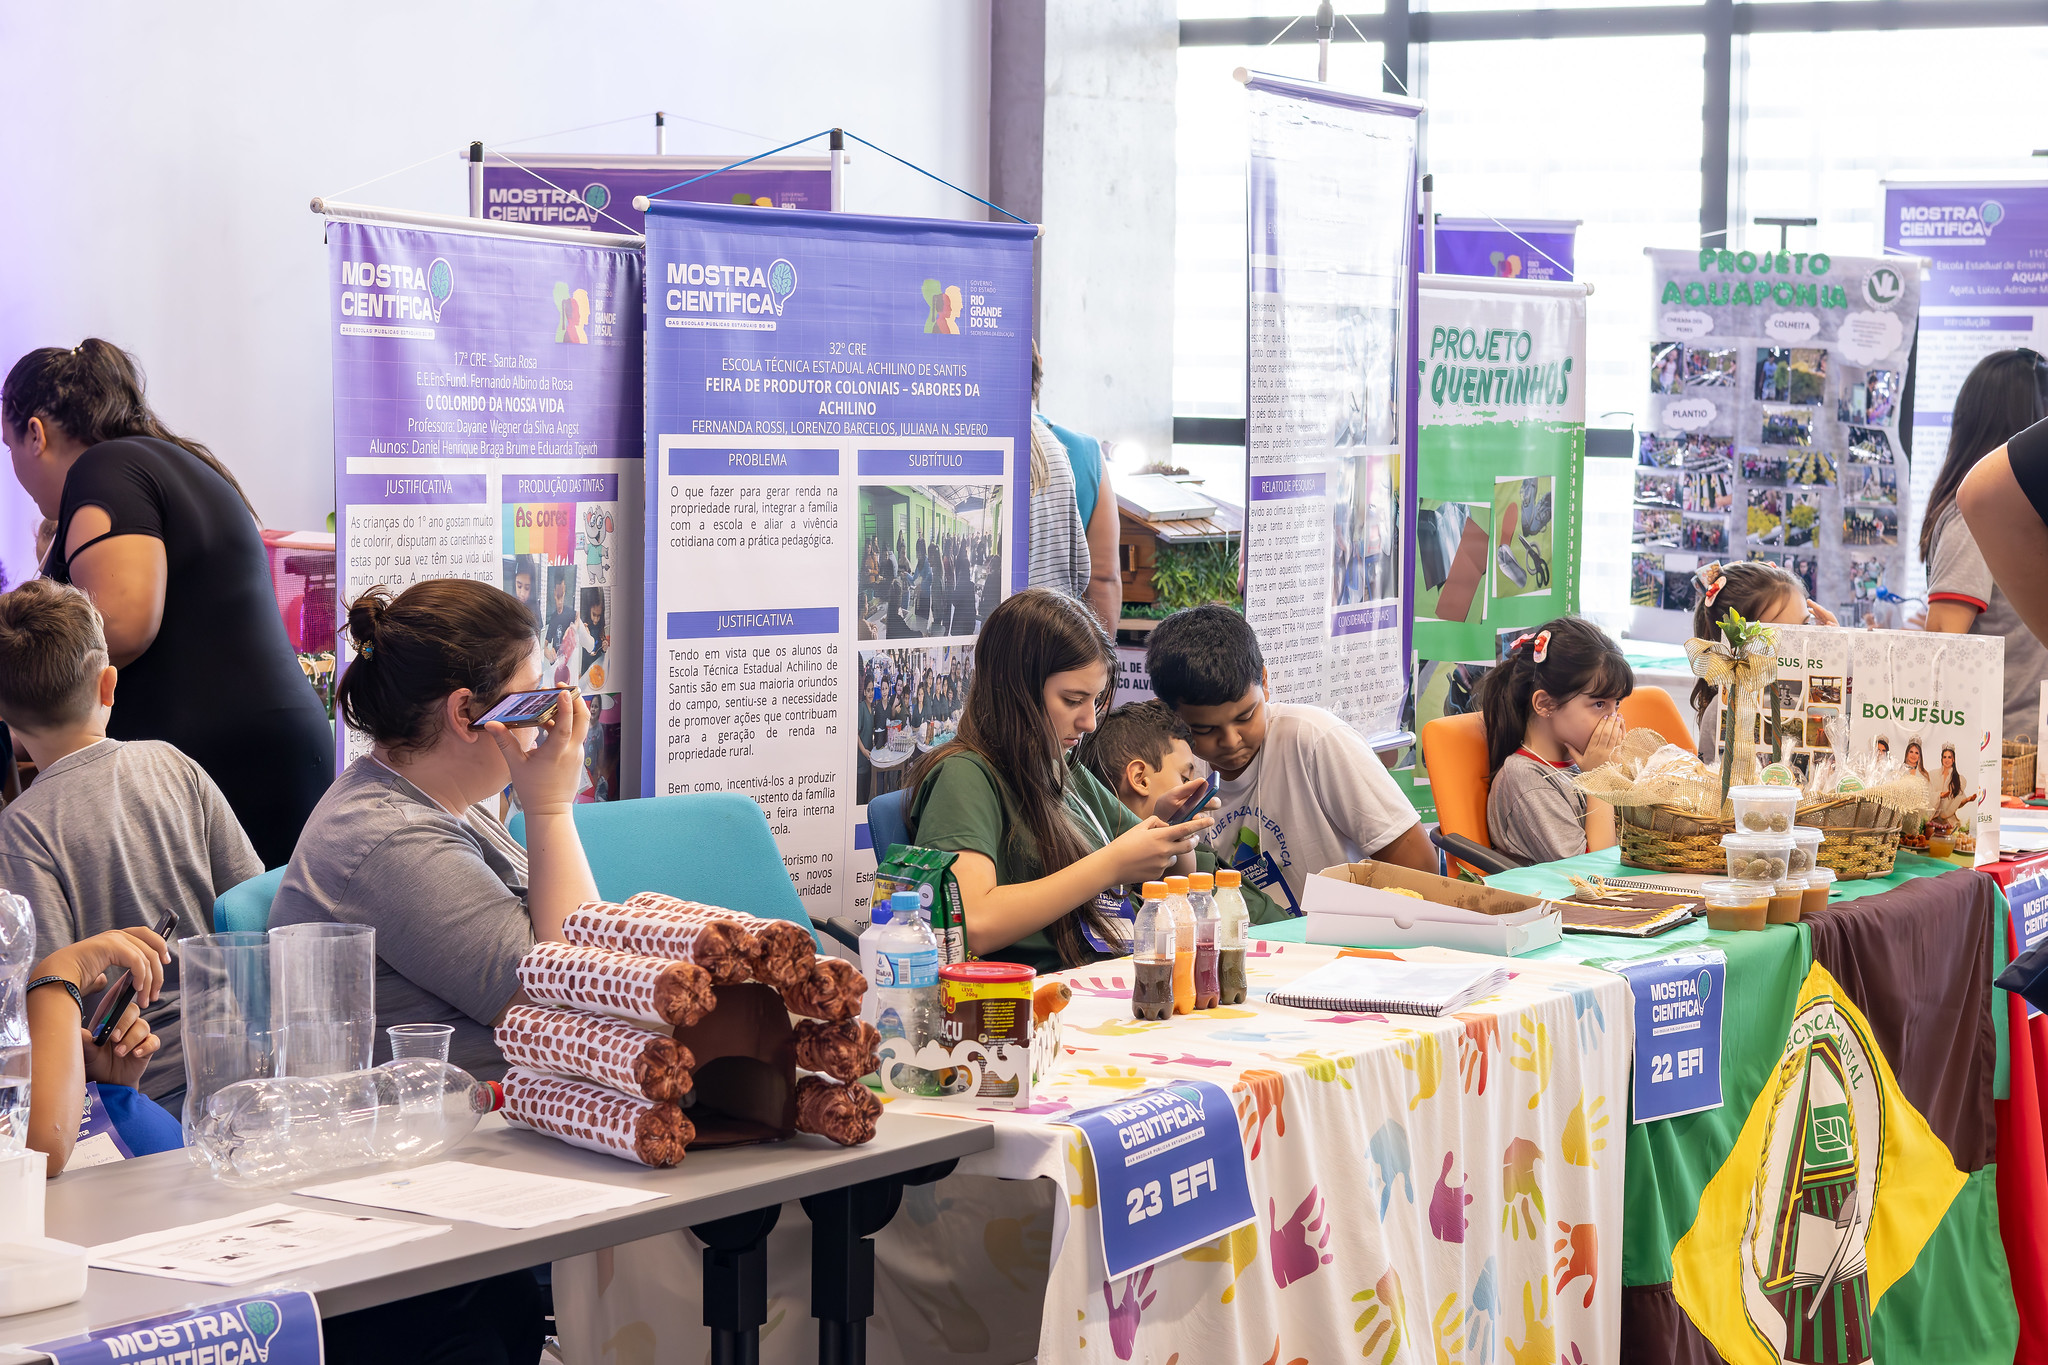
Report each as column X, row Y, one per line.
column 158, row 160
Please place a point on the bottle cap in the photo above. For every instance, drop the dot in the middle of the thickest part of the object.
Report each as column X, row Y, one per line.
column 494, row 1097
column 1227, row 877
column 1176, row 886
column 905, row 903
column 1155, row 891
column 1201, row 881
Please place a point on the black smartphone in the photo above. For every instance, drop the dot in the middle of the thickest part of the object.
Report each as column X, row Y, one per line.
column 121, row 989
column 521, row 708
column 1192, row 807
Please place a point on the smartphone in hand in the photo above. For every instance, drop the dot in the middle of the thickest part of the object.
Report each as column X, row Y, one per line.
column 521, row 708
column 121, row 990
column 1192, row 807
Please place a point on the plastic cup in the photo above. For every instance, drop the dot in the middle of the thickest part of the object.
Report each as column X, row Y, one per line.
column 224, row 998
column 1765, row 810
column 1735, row 903
column 1785, row 901
column 1819, row 883
column 1758, row 857
column 323, row 1007
column 429, row 1041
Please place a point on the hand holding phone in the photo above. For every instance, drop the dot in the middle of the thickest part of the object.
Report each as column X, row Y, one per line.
column 521, row 708
column 121, row 990
column 1190, row 808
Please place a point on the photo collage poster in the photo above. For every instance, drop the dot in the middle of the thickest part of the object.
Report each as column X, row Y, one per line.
column 1501, row 435
column 487, row 425
column 1329, row 464
column 1772, row 430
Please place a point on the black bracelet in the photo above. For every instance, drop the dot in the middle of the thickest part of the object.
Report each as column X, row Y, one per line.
column 69, row 987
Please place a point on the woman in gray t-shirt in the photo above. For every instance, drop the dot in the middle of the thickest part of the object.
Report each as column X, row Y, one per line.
column 403, row 842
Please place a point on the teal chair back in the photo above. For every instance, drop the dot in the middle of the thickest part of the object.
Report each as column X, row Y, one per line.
column 712, row 847
column 246, row 908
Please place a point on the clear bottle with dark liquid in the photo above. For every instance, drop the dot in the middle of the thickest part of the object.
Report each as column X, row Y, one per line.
column 1152, row 955
column 1202, row 899
column 1232, row 920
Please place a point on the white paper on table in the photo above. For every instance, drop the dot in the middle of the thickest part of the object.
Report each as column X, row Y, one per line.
column 256, row 1243
column 481, row 1194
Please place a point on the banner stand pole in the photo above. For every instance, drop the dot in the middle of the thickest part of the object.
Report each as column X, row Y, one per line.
column 1429, row 225
column 1326, row 24
column 838, row 170
column 476, row 179
column 660, row 133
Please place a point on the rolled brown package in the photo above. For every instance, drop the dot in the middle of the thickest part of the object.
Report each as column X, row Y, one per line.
column 844, row 1048
column 644, row 988
column 831, row 989
column 651, row 1132
column 786, row 950
column 725, row 949
column 596, row 1047
column 844, row 1113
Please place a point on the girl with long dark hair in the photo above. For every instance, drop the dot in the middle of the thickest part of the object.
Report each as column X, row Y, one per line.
column 2005, row 393
column 158, row 533
column 1044, row 848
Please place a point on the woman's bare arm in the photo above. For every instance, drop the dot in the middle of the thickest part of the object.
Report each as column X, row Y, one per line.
column 2011, row 536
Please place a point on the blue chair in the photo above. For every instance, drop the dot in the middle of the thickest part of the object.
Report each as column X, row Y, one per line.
column 245, row 908
column 889, row 821
column 712, row 847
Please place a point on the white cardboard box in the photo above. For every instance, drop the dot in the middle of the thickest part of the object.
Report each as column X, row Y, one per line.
column 1348, row 906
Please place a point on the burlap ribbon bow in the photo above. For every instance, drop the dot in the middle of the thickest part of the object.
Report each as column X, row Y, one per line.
column 1741, row 678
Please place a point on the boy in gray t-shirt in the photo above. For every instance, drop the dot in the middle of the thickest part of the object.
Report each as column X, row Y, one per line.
column 111, row 834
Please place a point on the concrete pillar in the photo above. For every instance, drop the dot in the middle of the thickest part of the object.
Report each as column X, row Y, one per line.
column 1081, row 139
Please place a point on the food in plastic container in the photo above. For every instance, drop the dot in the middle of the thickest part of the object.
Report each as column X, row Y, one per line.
column 1940, row 845
column 1785, row 901
column 1806, row 842
column 1814, row 898
column 1758, row 857
column 1765, row 810
column 1736, row 903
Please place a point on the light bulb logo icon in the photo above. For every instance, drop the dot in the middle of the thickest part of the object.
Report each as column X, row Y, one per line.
column 781, row 282
column 440, row 284
column 263, row 1320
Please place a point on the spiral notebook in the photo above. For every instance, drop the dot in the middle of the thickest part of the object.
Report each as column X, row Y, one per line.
column 1373, row 985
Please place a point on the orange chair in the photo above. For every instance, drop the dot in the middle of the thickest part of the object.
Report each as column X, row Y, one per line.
column 1454, row 751
column 1651, row 708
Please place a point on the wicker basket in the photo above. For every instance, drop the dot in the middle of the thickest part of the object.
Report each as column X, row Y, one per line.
column 1862, row 838
column 2016, row 768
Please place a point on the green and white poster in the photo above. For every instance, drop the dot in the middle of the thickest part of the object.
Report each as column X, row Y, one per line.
column 1501, row 440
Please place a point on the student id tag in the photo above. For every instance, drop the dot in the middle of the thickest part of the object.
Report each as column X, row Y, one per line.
column 1115, row 908
column 99, row 1142
column 1263, row 872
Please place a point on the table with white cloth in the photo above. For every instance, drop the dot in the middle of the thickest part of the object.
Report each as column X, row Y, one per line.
column 1426, row 1189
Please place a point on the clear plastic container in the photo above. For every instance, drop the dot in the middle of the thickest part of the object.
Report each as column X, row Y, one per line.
column 1736, row 903
column 1202, row 899
column 1152, row 954
column 1184, row 944
column 1806, row 842
column 1765, row 810
column 1785, row 901
column 323, row 1000
column 17, row 956
column 906, row 986
column 1819, row 882
column 1233, row 921
column 290, row 1128
column 1758, row 857
column 224, row 1015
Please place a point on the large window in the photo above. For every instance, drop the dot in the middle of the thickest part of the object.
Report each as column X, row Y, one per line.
column 1552, row 113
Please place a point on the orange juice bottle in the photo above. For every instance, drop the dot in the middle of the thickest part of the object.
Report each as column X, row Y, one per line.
column 1183, row 912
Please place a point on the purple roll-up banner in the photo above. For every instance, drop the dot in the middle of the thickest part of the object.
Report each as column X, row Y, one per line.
column 597, row 192
column 839, row 473
column 487, row 426
column 1508, row 248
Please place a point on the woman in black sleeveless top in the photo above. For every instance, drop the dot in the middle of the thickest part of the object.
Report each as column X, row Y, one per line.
column 162, row 538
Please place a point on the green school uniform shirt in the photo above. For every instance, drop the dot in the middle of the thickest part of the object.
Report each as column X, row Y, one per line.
column 962, row 808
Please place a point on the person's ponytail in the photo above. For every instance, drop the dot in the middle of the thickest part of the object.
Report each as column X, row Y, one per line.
column 93, row 392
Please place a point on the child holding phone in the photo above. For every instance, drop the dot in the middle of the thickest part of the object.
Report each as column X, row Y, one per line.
column 1552, row 706
column 112, row 834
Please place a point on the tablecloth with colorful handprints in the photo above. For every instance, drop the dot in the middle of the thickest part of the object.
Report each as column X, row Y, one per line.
column 1427, row 1191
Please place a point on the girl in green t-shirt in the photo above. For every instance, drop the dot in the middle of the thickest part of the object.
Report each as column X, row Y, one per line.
column 1044, row 848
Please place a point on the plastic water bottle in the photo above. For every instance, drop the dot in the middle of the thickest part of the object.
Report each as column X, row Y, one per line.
column 17, row 955
column 1201, row 898
column 290, row 1128
column 1232, row 920
column 870, row 955
column 1183, row 944
column 905, row 986
column 1152, row 944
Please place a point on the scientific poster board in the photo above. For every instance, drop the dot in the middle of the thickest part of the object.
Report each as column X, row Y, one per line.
column 1501, row 431
column 1773, row 429
column 1329, row 432
column 487, row 420
column 829, row 396
column 1540, row 249
column 596, row 192
column 1985, row 288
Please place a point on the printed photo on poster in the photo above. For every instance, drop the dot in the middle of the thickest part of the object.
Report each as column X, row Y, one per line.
column 1764, row 466
column 523, row 578
column 1451, row 555
column 1871, row 483
column 1667, row 367
column 1708, row 488
column 909, row 703
column 1709, row 368
column 1522, row 516
column 1369, row 406
column 1806, row 566
column 1365, row 512
column 1681, row 589
column 1704, row 535
column 558, row 637
column 1658, row 526
column 1869, row 396
column 1791, row 375
column 1660, row 488
column 601, row 748
column 594, row 637
column 1812, row 466
column 1680, row 452
column 930, row 565
column 1444, row 688
column 1787, row 427
column 1870, row 526
column 1869, row 445
column 1646, row 580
